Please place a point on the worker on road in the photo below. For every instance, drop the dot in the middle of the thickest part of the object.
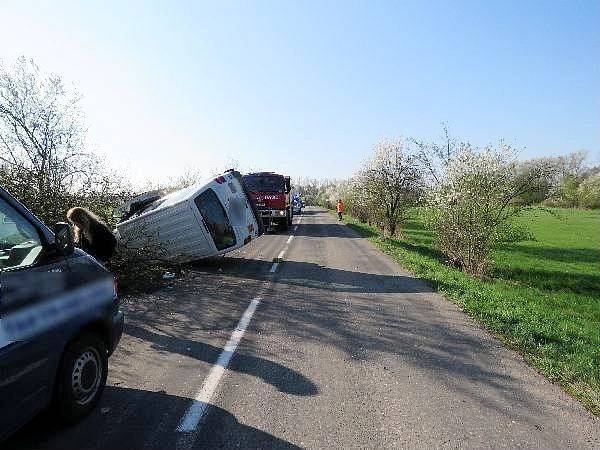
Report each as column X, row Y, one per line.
column 340, row 209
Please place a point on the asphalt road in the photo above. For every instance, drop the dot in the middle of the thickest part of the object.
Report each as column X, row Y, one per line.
column 344, row 350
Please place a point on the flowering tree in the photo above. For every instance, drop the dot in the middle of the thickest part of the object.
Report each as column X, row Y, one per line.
column 358, row 200
column 471, row 205
column 589, row 192
column 390, row 182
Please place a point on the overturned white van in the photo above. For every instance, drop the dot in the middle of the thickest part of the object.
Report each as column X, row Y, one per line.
column 193, row 223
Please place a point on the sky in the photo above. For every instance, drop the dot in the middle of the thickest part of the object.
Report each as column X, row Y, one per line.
column 308, row 88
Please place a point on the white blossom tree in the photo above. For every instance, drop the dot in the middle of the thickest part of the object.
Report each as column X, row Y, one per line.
column 471, row 206
column 589, row 191
column 390, row 182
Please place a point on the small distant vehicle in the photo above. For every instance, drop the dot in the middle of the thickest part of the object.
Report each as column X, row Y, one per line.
column 200, row 221
column 59, row 320
column 297, row 204
column 270, row 192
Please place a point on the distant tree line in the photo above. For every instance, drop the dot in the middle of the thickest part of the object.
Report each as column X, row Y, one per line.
column 467, row 195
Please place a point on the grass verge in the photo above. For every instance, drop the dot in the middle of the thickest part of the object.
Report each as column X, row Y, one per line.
column 543, row 299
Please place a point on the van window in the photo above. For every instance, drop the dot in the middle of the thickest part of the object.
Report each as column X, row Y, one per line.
column 20, row 243
column 215, row 219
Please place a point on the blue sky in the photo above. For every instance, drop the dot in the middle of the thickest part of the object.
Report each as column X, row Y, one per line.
column 307, row 88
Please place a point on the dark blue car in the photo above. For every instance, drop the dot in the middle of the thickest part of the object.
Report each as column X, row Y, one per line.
column 59, row 320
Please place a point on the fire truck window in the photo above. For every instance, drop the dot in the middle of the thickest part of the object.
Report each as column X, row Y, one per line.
column 215, row 219
column 265, row 184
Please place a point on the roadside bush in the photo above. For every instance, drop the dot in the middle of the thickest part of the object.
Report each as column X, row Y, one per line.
column 139, row 268
column 388, row 184
column 588, row 192
column 470, row 208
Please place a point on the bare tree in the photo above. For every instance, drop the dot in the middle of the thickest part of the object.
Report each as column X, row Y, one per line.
column 43, row 160
column 574, row 164
column 435, row 156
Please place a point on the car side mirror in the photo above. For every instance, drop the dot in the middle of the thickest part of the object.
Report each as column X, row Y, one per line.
column 63, row 239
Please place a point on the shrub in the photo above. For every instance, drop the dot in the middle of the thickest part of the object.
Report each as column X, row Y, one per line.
column 588, row 192
column 388, row 184
column 470, row 206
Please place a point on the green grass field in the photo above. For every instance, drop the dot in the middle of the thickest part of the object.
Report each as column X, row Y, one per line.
column 543, row 298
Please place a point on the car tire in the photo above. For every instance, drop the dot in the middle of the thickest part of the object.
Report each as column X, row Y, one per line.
column 81, row 377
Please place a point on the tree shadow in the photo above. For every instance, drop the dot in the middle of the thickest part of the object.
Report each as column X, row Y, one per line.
column 116, row 425
column 277, row 375
column 378, row 316
column 438, row 341
column 311, row 211
column 317, row 230
column 568, row 255
column 424, row 250
column 551, row 280
column 309, row 274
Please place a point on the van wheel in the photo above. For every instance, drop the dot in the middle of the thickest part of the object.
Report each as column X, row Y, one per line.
column 81, row 378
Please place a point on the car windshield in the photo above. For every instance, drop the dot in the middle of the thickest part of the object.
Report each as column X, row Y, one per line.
column 264, row 184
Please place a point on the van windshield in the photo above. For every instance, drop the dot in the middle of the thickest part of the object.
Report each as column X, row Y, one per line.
column 215, row 219
column 265, row 184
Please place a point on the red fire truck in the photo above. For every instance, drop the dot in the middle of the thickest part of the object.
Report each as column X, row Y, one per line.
column 271, row 194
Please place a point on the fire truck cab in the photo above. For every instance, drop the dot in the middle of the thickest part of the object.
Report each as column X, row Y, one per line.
column 270, row 192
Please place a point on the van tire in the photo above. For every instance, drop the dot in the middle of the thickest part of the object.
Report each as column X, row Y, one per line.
column 81, row 377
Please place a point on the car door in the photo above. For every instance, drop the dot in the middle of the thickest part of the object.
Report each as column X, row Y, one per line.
column 27, row 366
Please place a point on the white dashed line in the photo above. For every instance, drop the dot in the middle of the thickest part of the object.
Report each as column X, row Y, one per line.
column 296, row 228
column 290, row 239
column 201, row 403
column 281, row 253
column 274, row 267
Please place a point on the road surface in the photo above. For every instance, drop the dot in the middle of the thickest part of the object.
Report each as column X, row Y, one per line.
column 336, row 347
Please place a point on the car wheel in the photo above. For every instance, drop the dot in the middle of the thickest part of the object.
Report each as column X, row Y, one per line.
column 81, row 377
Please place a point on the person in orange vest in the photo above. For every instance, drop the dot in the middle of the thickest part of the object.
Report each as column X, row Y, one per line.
column 340, row 208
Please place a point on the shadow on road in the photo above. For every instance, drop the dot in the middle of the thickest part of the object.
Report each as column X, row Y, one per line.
column 284, row 379
column 308, row 274
column 320, row 230
column 115, row 424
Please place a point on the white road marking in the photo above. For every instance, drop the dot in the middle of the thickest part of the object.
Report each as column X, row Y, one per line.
column 281, row 253
column 201, row 403
column 274, row 267
column 296, row 228
column 290, row 239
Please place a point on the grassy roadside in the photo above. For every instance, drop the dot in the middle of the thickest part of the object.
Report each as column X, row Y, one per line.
column 543, row 299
